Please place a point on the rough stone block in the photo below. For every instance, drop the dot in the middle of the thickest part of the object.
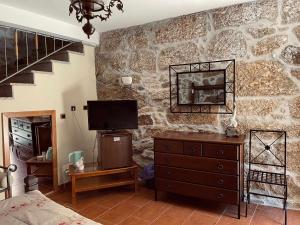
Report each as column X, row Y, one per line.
column 227, row 44
column 181, row 28
column 291, row 55
column 245, row 13
column 263, row 78
column 112, row 40
column 142, row 60
column 269, row 44
column 294, row 107
column 183, row 53
column 137, row 38
column 257, row 107
column 260, row 32
column 291, row 11
column 188, row 118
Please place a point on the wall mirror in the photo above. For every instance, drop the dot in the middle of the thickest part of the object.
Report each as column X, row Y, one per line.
column 203, row 87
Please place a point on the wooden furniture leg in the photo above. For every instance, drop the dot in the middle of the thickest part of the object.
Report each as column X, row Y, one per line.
column 28, row 169
column 136, row 179
column 74, row 200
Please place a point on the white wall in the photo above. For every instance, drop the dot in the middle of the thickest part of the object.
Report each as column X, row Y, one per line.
column 71, row 84
column 16, row 17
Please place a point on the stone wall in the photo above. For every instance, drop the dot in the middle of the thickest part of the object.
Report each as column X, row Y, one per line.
column 264, row 38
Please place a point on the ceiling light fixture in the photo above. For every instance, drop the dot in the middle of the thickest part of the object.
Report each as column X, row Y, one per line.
column 90, row 9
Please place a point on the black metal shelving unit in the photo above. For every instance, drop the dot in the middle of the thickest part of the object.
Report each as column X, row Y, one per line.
column 260, row 174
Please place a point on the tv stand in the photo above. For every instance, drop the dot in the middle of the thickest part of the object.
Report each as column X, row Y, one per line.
column 115, row 150
column 93, row 178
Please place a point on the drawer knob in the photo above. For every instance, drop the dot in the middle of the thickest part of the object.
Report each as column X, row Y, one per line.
column 28, row 135
column 220, row 181
column 220, row 152
column 220, row 166
column 27, row 127
column 220, row 196
column 17, row 138
column 15, row 130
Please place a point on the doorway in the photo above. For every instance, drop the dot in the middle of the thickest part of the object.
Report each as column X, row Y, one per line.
column 27, row 136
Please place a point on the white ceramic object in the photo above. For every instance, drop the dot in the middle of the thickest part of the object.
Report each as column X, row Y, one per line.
column 126, row 80
column 40, row 157
column 79, row 164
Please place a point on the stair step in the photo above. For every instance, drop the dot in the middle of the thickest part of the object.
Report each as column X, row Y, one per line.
column 6, row 91
column 44, row 66
column 61, row 56
column 76, row 47
column 22, row 78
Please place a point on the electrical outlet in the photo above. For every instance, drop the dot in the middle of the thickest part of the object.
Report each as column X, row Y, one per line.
column 73, row 108
column 63, row 116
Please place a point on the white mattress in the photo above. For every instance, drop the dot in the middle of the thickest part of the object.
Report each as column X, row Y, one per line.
column 36, row 209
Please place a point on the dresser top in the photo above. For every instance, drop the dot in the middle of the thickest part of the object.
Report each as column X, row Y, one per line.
column 201, row 137
column 35, row 119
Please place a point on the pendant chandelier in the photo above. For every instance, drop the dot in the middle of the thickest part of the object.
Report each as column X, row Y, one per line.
column 90, row 9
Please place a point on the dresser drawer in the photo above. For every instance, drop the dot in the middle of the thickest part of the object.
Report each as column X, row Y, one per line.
column 221, row 151
column 197, row 163
column 192, row 148
column 20, row 140
column 200, row 191
column 14, row 122
column 23, row 153
column 168, row 146
column 22, row 133
column 197, row 177
column 25, row 126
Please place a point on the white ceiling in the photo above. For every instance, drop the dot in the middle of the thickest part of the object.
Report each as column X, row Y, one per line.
column 135, row 11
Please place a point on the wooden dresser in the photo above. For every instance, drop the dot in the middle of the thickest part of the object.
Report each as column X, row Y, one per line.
column 208, row 166
column 31, row 136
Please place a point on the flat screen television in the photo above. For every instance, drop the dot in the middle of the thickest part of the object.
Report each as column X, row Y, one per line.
column 112, row 115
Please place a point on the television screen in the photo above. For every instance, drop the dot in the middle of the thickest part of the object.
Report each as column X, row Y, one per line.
column 112, row 115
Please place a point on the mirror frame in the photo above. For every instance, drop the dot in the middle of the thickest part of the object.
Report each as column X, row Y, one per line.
column 228, row 66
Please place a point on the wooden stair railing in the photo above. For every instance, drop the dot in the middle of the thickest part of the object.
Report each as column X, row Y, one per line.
column 22, row 52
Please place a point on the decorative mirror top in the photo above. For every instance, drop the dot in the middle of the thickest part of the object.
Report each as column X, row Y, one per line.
column 204, row 87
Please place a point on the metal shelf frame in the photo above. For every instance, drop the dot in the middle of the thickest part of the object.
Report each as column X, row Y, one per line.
column 267, row 177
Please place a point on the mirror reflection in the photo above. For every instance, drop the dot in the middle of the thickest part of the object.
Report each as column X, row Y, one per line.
column 201, row 88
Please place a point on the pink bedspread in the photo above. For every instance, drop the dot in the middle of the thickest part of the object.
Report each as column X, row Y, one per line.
column 36, row 209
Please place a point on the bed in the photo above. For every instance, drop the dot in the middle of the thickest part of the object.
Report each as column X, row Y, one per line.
column 34, row 208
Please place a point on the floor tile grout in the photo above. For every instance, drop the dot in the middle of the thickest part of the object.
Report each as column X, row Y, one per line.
column 129, row 215
column 253, row 214
column 113, row 207
column 190, row 216
column 222, row 214
column 167, row 208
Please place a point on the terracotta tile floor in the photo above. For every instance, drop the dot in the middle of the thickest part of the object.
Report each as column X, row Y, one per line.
column 124, row 207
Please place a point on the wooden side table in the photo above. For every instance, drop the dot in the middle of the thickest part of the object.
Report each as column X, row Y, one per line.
column 93, row 178
column 43, row 167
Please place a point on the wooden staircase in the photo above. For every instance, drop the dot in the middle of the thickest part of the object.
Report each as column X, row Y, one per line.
column 24, row 52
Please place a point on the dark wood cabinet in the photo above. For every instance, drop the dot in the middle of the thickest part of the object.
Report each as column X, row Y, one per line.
column 115, row 150
column 30, row 136
column 208, row 166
